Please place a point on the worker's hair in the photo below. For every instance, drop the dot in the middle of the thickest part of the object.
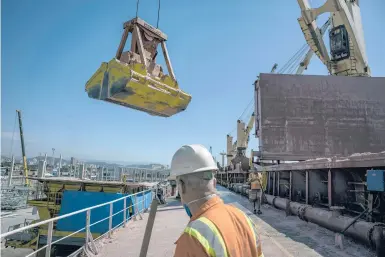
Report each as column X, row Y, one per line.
column 199, row 183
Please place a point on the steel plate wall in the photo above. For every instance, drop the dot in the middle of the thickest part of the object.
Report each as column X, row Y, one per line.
column 305, row 116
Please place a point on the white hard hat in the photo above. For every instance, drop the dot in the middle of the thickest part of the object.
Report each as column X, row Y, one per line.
column 190, row 159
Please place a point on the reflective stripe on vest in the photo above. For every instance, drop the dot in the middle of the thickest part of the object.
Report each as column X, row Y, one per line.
column 208, row 235
column 255, row 235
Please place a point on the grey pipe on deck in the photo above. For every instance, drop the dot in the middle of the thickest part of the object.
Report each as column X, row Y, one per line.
column 372, row 234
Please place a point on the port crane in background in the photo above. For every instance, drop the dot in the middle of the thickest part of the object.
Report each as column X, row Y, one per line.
column 346, row 37
column 236, row 152
column 25, row 167
column 336, row 161
column 243, row 138
column 230, row 149
column 306, row 59
column 347, row 45
column 337, row 156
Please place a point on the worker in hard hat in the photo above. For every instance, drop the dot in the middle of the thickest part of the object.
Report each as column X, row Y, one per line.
column 215, row 228
column 255, row 193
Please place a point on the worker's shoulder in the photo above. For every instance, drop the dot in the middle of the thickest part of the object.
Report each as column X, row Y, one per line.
column 188, row 245
column 232, row 208
column 185, row 236
column 235, row 211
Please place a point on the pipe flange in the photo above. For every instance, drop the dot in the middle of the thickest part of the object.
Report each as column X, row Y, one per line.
column 370, row 234
column 273, row 202
column 301, row 213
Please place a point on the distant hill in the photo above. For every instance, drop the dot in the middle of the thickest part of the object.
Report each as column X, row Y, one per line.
column 94, row 162
column 127, row 164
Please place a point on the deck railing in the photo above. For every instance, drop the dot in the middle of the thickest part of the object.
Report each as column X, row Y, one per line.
column 138, row 207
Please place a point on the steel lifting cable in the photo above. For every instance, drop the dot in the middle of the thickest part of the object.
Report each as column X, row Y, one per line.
column 249, row 112
column 297, row 61
column 294, row 64
column 13, row 135
column 295, row 56
column 232, row 131
column 137, row 8
column 290, row 65
column 247, row 107
column 243, row 112
column 292, row 60
column 157, row 22
column 301, row 59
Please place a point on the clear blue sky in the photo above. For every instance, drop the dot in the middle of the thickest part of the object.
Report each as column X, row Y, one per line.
column 51, row 48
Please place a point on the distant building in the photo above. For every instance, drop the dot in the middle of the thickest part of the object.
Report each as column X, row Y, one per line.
column 156, row 166
column 73, row 161
column 33, row 161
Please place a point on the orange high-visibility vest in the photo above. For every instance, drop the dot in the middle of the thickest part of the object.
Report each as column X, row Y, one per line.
column 219, row 229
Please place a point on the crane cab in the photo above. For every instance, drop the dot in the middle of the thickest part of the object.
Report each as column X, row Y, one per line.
column 339, row 43
column 133, row 78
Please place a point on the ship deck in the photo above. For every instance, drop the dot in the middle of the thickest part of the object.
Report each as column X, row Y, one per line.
column 281, row 236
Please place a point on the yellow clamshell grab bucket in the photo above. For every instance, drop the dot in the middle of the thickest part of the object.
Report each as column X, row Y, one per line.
column 133, row 79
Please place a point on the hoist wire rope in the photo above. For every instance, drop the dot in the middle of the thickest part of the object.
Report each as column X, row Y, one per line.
column 248, row 116
column 13, row 135
column 297, row 61
column 158, row 18
column 289, row 65
column 250, row 111
column 289, row 62
column 137, row 8
column 247, row 107
column 243, row 117
column 232, row 131
column 157, row 22
column 300, row 60
column 292, row 60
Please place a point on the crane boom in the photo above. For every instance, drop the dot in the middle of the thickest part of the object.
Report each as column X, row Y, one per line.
column 249, row 127
column 230, row 149
column 347, row 45
column 306, row 60
column 312, row 33
column 237, row 149
column 243, row 133
column 25, row 168
column 274, row 68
